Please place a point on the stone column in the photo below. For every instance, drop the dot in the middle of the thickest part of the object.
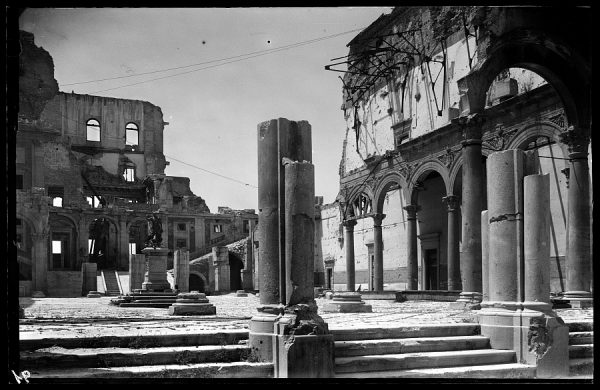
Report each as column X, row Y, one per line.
column 137, row 268
column 39, row 263
column 349, row 246
column 181, row 271
column 485, row 251
column 299, row 232
column 88, row 277
column 412, row 263
column 536, row 189
column 277, row 139
column 578, row 257
column 156, row 273
column 378, row 251
column 472, row 193
column 452, row 204
column 123, row 251
column 248, row 272
column 222, row 270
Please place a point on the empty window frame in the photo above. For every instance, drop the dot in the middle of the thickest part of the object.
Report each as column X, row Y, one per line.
column 94, row 201
column 182, row 227
column 19, row 182
column 132, row 248
column 132, row 134
column 218, row 228
column 56, row 194
column 129, row 174
column 246, row 226
column 93, row 130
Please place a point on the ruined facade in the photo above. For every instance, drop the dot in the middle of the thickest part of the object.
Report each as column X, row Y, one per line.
column 428, row 93
column 89, row 170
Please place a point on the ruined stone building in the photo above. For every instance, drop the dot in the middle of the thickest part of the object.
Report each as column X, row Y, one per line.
column 428, row 93
column 89, row 170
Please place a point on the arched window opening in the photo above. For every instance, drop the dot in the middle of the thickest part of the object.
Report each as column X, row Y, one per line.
column 93, row 130
column 131, row 134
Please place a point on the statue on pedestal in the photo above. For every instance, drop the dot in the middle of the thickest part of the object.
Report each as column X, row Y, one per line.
column 154, row 238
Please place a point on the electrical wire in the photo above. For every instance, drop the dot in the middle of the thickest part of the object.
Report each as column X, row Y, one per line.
column 267, row 51
column 211, row 172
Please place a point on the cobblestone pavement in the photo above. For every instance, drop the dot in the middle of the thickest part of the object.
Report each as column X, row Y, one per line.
column 82, row 317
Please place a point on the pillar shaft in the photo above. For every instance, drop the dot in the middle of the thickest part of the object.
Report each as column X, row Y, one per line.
column 39, row 264
column 300, row 232
column 453, row 255
column 349, row 247
column 137, row 269
column 378, row 252
column 536, row 208
column 412, row 261
column 505, row 211
column 181, row 271
column 485, row 258
column 472, row 194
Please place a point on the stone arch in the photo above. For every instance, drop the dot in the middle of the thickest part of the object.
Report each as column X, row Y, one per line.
column 355, row 196
column 421, row 172
column 33, row 224
column 63, row 229
column 456, row 170
column 197, row 282
column 539, row 129
column 541, row 53
column 383, row 187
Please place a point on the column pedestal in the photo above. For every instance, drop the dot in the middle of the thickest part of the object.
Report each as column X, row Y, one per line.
column 156, row 273
column 346, row 302
column 192, row 304
column 262, row 332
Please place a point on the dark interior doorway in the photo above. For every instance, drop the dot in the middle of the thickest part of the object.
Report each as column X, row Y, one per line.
column 235, row 268
column 196, row 283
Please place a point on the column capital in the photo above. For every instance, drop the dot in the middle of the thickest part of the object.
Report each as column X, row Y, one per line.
column 412, row 210
column 40, row 236
column 471, row 127
column 377, row 218
column 349, row 223
column 452, row 202
column 577, row 142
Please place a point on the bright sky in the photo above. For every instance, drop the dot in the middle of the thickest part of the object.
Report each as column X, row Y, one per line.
column 213, row 113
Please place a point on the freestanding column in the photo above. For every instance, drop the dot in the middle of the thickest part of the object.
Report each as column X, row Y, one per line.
column 349, row 246
column 537, row 240
column 578, row 226
column 472, row 194
column 181, row 271
column 299, row 232
column 137, row 268
column 222, row 270
column 485, row 252
column 378, row 251
column 452, row 203
column 412, row 262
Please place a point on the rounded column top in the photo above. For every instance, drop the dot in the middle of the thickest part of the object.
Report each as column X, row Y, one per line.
column 377, row 218
column 412, row 210
column 452, row 202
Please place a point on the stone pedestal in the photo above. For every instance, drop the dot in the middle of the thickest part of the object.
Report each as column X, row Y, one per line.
column 181, row 271
column 261, row 332
column 38, row 294
column 346, row 302
column 241, row 293
column 137, row 270
column 94, row 294
column 156, row 270
column 303, row 347
column 468, row 301
column 193, row 303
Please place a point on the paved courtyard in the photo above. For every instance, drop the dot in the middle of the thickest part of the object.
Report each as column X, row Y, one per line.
column 81, row 317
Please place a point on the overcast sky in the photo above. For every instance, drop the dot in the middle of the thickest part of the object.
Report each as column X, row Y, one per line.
column 213, row 113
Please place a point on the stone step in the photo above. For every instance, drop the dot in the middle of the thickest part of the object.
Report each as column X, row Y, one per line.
column 200, row 370
column 423, row 360
column 409, row 345
column 222, row 337
column 141, row 298
column 504, row 371
column 408, row 331
column 576, row 338
column 581, row 367
column 581, row 351
column 58, row 357
column 580, row 326
column 155, row 304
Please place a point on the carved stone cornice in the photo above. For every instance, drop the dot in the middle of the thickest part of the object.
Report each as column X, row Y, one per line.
column 451, row 202
column 577, row 142
column 499, row 140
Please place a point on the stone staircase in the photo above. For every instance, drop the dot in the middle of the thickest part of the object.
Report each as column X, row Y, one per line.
column 111, row 282
column 423, row 351
column 222, row 354
column 581, row 349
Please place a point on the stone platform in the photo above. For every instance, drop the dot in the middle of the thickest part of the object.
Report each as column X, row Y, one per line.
column 193, row 303
column 141, row 298
column 346, row 302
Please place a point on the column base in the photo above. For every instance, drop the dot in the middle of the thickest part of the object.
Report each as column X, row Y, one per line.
column 579, row 299
column 346, row 302
column 262, row 332
column 537, row 335
column 468, row 301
